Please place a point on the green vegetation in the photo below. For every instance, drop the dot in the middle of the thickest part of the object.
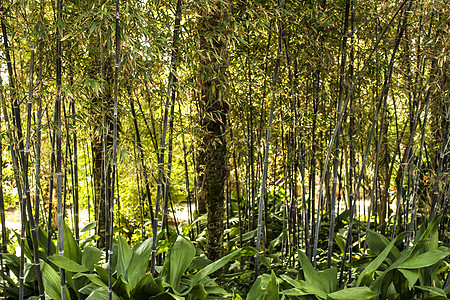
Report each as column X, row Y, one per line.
column 308, row 141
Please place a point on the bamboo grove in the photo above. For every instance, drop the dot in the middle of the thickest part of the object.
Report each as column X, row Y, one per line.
column 298, row 135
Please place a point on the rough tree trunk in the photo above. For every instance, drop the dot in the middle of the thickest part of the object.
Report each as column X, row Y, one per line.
column 212, row 156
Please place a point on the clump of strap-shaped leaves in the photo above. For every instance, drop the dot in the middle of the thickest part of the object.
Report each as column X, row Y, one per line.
column 388, row 274
column 184, row 275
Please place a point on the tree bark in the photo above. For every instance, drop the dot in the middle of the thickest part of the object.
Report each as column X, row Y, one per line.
column 213, row 105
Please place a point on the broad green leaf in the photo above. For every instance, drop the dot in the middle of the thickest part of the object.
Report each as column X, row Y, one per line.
column 373, row 266
column 180, row 257
column 121, row 288
column 213, row 267
column 90, row 257
column 166, row 296
column 123, row 257
column 89, row 226
column 88, row 288
column 101, row 294
column 52, row 282
column 303, row 287
column 434, row 291
column 340, row 241
column 311, row 289
column 92, row 277
column 67, row 264
column 424, row 260
column 245, row 237
column 30, row 272
column 311, row 275
column 411, row 276
column 294, row 292
column 198, row 291
column 291, row 281
column 272, row 288
column 216, row 290
column 71, row 248
column 247, row 251
column 102, row 273
column 380, row 282
column 43, row 242
column 329, row 280
column 139, row 263
column 259, row 287
column 432, row 227
column 378, row 242
column 146, row 288
column 360, row 293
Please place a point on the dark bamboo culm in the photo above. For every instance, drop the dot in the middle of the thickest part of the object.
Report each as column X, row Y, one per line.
column 337, row 145
column 161, row 173
column 141, row 155
column 384, row 93
column 57, row 137
column 26, row 193
column 114, row 154
column 25, row 198
column 2, row 207
column 266, row 152
column 186, row 175
column 340, row 118
column 75, row 173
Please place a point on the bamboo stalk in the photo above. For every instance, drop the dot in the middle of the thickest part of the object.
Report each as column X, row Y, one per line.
column 75, row 172
column 266, row 154
column 161, row 173
column 51, row 183
column 337, row 145
column 138, row 184
column 114, row 155
column 2, row 208
column 186, row 174
column 384, row 92
column 166, row 198
column 338, row 125
column 141, row 154
column 26, row 194
column 57, row 123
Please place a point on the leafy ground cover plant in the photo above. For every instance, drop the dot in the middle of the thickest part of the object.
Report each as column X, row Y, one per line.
column 388, row 273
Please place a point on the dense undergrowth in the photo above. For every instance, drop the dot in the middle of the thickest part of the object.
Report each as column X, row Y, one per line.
column 388, row 269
